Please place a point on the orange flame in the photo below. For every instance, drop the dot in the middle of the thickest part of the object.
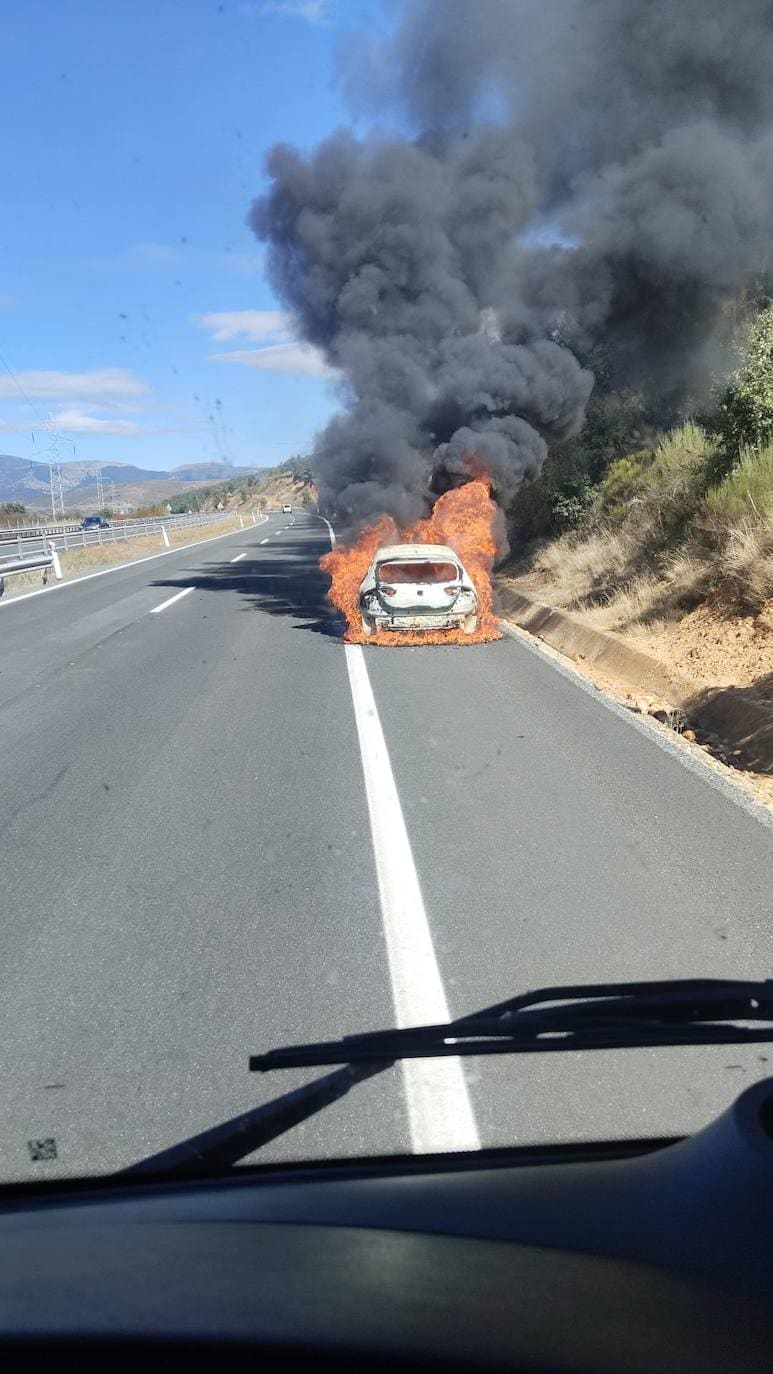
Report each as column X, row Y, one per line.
column 463, row 518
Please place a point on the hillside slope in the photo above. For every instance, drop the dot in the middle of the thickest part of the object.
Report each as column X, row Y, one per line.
column 274, row 490
column 27, row 481
column 668, row 543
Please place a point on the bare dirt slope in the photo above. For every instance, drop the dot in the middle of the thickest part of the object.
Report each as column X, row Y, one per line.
column 713, row 647
column 274, row 491
column 719, row 661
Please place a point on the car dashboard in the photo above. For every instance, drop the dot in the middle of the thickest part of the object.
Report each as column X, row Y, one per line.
column 608, row 1257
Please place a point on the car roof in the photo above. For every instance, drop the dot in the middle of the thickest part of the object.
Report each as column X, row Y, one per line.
column 416, row 551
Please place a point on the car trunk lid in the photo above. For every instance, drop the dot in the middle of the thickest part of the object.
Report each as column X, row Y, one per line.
column 419, row 585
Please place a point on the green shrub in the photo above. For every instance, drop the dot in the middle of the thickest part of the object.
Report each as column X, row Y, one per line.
column 743, row 414
column 13, row 512
column 540, row 507
column 615, row 424
column 623, row 483
column 746, row 493
column 676, row 479
column 564, row 496
column 681, row 453
column 570, row 506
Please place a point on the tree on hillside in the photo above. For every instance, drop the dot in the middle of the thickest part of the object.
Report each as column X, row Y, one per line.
column 616, row 423
column 743, row 417
column 12, row 508
column 297, row 466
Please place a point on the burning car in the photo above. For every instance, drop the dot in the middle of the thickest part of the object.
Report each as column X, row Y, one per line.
column 417, row 587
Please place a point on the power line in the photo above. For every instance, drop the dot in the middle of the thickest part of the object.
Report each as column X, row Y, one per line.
column 54, row 466
column 55, row 472
column 20, row 388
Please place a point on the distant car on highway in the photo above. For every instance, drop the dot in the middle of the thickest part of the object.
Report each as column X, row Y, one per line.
column 287, row 509
column 95, row 522
column 417, row 587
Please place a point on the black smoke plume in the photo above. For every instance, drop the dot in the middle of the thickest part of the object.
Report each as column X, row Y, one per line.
column 637, row 135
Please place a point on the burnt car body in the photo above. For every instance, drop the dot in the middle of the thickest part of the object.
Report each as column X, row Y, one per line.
column 417, row 587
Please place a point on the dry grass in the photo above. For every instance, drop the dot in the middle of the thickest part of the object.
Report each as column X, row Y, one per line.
column 658, row 539
column 655, row 599
column 578, row 571
column 77, row 561
column 613, row 576
column 746, row 564
column 619, row 584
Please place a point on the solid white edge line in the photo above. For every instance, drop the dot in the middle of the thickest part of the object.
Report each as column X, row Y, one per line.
column 119, row 567
column 440, row 1113
column 170, row 602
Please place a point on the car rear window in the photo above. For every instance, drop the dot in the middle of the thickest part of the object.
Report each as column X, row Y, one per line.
column 418, row 572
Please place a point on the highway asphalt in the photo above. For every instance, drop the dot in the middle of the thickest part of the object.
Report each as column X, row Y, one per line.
column 188, row 871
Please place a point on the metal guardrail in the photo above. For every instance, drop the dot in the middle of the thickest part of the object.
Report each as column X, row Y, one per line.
column 42, row 528
column 28, row 542
column 47, row 558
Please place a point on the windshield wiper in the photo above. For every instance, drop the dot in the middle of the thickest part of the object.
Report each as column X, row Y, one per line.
column 591, row 1017
column 594, row 1016
column 232, row 1140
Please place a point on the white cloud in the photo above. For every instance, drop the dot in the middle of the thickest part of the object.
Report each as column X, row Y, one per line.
column 254, row 325
column 78, row 420
column 106, row 385
column 313, row 11
column 264, row 326
column 75, row 421
column 293, row 356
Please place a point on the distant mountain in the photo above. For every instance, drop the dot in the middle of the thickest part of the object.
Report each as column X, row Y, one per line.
column 22, row 479
column 210, row 472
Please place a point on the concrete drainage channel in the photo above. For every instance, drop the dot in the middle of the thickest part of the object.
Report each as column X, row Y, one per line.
column 725, row 721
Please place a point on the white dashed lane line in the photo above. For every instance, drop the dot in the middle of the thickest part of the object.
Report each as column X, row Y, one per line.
column 172, row 600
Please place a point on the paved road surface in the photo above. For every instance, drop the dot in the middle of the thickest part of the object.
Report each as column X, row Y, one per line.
column 188, row 873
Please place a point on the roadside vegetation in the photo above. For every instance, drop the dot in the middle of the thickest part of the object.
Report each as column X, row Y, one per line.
column 12, row 513
column 638, row 522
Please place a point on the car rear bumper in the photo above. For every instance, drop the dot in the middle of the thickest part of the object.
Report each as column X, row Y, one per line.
column 426, row 621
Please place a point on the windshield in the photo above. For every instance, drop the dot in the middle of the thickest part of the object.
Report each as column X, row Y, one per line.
column 288, row 286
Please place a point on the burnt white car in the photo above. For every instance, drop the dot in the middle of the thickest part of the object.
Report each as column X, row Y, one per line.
column 417, row 587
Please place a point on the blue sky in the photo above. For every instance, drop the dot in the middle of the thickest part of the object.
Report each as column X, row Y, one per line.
column 135, row 138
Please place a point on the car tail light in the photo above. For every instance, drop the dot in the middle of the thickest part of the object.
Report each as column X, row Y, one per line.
column 450, row 591
column 388, row 591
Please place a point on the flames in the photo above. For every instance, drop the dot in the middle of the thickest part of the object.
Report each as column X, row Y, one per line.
column 465, row 519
